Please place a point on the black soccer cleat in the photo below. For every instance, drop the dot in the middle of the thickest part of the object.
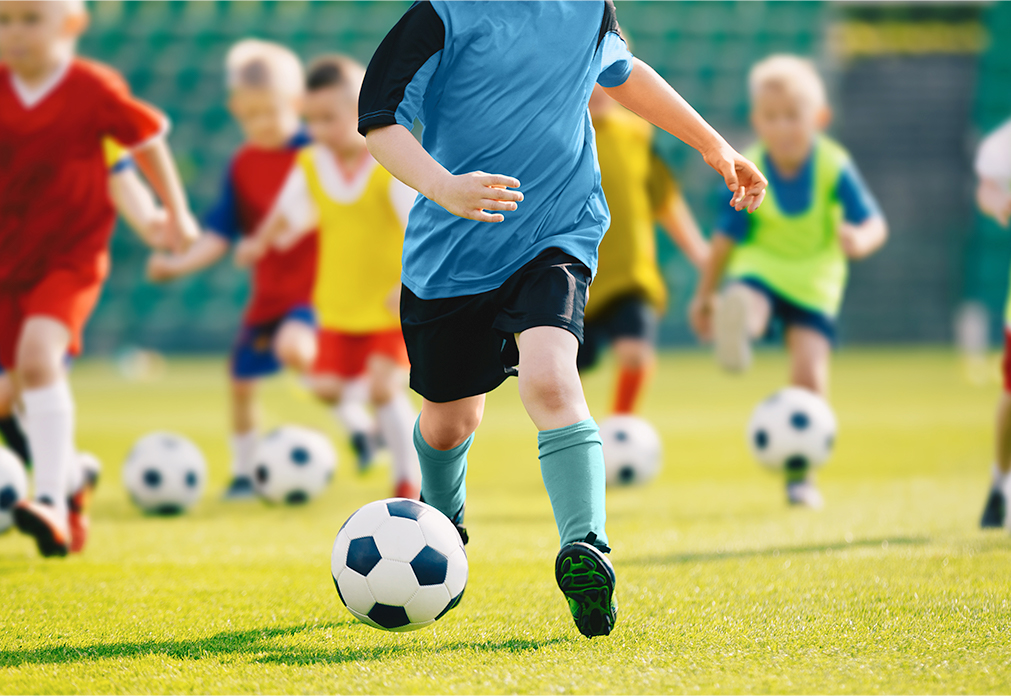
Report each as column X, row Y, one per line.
column 587, row 580
column 365, row 450
column 995, row 511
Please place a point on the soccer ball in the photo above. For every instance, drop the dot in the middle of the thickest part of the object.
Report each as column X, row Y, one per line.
column 792, row 430
column 165, row 473
column 293, row 465
column 13, row 486
column 632, row 450
column 399, row 565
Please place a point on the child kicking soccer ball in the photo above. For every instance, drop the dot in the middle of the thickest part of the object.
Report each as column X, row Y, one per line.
column 502, row 243
column 629, row 292
column 993, row 167
column 361, row 212
column 55, row 221
column 786, row 265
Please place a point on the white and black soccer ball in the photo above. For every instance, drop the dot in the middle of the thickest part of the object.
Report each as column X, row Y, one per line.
column 633, row 452
column 792, row 430
column 293, row 465
column 13, row 486
column 165, row 473
column 399, row 565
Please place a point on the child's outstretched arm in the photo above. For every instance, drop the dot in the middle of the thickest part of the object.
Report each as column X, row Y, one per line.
column 136, row 204
column 206, row 251
column 860, row 241
column 649, row 95
column 700, row 311
column 156, row 163
column 677, row 220
column 469, row 195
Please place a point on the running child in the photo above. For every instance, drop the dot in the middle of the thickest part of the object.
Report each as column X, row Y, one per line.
column 629, row 292
column 993, row 195
column 264, row 82
column 55, row 221
column 493, row 276
column 786, row 265
column 361, row 212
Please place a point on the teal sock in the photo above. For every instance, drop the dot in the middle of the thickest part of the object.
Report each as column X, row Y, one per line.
column 443, row 474
column 572, row 465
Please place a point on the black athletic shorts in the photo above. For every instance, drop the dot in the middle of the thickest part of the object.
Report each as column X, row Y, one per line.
column 465, row 346
column 626, row 316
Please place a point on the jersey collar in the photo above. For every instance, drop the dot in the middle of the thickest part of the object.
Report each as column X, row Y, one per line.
column 31, row 96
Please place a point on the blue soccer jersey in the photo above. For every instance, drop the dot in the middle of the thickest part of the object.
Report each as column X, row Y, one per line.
column 503, row 88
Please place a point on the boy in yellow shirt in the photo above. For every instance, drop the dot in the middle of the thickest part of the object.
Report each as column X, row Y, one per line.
column 629, row 293
column 361, row 212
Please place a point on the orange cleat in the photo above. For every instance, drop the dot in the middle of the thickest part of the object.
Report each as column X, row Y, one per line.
column 77, row 518
column 407, row 489
column 42, row 521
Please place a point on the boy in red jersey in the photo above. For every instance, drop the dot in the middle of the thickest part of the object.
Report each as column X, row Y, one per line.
column 56, row 218
column 265, row 88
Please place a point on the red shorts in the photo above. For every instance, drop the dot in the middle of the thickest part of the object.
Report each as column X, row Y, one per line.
column 1007, row 360
column 64, row 295
column 346, row 355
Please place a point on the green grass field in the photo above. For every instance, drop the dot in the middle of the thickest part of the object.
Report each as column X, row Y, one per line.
column 722, row 588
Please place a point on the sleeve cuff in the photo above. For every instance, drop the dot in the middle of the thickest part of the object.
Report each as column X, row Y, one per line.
column 377, row 119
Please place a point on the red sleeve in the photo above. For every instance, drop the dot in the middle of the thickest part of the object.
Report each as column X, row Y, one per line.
column 124, row 118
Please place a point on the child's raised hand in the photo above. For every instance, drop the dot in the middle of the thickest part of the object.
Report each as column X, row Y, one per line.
column 700, row 316
column 471, row 195
column 161, row 267
column 741, row 175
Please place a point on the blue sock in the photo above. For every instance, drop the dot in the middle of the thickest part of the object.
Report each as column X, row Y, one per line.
column 443, row 474
column 572, row 465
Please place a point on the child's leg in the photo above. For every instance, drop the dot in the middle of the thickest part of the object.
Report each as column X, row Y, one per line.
column 572, row 459
column 48, row 407
column 995, row 510
column 810, row 354
column 741, row 315
column 10, row 428
column 244, row 428
column 636, row 358
column 387, row 381
column 295, row 345
column 443, row 434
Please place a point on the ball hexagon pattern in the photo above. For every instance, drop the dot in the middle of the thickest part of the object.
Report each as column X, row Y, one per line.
column 13, row 486
column 398, row 565
column 633, row 452
column 293, row 465
column 164, row 473
column 792, row 430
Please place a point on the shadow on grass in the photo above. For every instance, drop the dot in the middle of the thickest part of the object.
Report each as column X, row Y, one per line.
column 257, row 645
column 680, row 558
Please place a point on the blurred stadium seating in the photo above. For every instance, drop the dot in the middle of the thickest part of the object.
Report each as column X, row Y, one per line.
column 172, row 53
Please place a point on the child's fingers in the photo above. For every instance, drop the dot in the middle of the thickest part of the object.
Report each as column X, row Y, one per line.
column 502, row 194
column 482, row 216
column 489, row 204
column 498, row 180
column 756, row 201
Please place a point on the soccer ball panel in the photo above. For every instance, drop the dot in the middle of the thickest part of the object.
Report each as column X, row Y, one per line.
column 367, row 520
column 13, row 486
column 456, row 571
column 354, row 591
column 392, row 582
column 440, row 533
column 399, row 539
column 633, row 452
column 427, row 604
column 363, row 555
column 430, row 567
column 339, row 554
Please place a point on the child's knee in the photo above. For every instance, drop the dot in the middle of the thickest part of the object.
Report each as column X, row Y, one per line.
column 548, row 389
column 444, row 431
column 296, row 349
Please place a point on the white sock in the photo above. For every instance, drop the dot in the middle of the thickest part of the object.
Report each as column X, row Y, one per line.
column 75, row 476
column 49, row 427
column 244, row 452
column 351, row 411
column 396, row 423
column 1001, row 479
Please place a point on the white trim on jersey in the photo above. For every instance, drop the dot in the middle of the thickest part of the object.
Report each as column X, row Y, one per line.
column 31, row 96
column 993, row 159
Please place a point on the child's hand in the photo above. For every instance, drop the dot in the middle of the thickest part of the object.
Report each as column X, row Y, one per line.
column 471, row 195
column 392, row 301
column 161, row 267
column 185, row 231
column 994, row 200
column 740, row 174
column 249, row 251
column 850, row 241
column 157, row 231
column 860, row 241
column 700, row 316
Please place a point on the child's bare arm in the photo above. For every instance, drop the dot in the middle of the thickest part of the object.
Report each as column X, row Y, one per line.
column 860, row 241
column 649, row 95
column 136, row 204
column 274, row 231
column 468, row 195
column 204, row 252
column 677, row 220
column 156, row 163
column 700, row 311
column 994, row 199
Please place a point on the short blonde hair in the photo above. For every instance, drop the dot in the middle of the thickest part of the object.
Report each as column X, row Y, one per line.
column 335, row 70
column 256, row 64
column 796, row 75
